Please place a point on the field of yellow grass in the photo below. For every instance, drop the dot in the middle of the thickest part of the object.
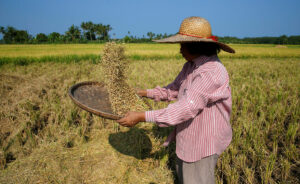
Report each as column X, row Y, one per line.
column 164, row 50
column 45, row 138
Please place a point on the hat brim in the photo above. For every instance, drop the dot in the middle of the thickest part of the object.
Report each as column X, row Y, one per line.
column 178, row 38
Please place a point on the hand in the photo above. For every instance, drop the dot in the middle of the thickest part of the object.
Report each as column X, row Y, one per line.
column 141, row 92
column 131, row 119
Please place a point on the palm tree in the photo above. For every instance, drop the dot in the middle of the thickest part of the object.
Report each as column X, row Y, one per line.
column 107, row 28
column 84, row 27
column 54, row 37
column 73, row 32
column 91, row 27
column 102, row 31
column 150, row 35
column 99, row 28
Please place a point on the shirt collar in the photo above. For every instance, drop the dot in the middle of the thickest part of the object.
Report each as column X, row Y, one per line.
column 203, row 59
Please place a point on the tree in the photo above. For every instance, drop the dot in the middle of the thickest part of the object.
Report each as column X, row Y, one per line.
column 22, row 36
column 12, row 35
column 158, row 36
column 2, row 32
column 63, row 38
column 127, row 39
column 294, row 40
column 99, row 29
column 2, row 29
column 150, row 35
column 84, row 27
column 102, row 31
column 41, row 38
column 9, row 34
column 91, row 30
column 54, row 37
column 283, row 39
column 107, row 28
column 73, row 33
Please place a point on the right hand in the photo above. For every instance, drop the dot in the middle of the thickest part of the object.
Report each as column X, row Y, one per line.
column 132, row 118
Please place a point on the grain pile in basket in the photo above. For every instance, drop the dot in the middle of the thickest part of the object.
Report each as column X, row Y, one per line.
column 122, row 97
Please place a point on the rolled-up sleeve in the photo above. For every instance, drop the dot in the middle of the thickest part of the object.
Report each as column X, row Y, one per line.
column 169, row 92
column 203, row 90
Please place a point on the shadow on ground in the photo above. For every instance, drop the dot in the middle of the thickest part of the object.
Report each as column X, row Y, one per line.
column 134, row 142
column 162, row 133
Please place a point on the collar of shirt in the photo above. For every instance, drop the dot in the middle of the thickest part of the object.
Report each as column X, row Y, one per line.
column 203, row 59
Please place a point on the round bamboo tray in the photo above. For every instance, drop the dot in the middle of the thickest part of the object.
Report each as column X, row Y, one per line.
column 93, row 97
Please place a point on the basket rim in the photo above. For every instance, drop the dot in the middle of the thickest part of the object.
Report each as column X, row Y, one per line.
column 89, row 109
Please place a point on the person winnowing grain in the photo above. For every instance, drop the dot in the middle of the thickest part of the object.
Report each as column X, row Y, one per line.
column 201, row 114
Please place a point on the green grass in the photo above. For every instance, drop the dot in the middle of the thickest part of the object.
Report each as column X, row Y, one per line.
column 45, row 138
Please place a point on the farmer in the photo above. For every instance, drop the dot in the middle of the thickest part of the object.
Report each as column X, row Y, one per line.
column 201, row 113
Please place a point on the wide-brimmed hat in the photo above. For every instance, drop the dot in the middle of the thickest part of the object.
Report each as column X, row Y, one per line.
column 195, row 29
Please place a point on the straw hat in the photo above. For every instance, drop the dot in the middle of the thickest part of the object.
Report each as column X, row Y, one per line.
column 195, row 29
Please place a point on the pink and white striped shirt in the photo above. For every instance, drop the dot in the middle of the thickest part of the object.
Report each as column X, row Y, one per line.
column 201, row 113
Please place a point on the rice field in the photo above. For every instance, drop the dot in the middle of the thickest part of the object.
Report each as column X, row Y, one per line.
column 45, row 138
column 142, row 50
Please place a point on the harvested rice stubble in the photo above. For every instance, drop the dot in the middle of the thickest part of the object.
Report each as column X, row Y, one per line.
column 122, row 97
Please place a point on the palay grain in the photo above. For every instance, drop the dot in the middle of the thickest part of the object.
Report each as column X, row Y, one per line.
column 122, row 97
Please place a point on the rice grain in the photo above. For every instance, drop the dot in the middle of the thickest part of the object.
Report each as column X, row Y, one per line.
column 122, row 97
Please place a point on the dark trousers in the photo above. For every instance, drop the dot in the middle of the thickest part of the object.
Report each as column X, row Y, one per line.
column 199, row 172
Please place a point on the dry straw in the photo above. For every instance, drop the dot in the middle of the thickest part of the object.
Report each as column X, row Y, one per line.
column 122, row 97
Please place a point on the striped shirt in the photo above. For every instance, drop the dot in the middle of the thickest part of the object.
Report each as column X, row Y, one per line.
column 201, row 113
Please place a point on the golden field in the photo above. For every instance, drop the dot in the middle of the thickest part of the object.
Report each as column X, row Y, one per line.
column 166, row 50
column 45, row 138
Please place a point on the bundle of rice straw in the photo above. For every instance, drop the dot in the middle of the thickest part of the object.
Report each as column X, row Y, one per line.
column 122, row 97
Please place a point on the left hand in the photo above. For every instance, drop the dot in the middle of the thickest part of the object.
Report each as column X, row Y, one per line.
column 131, row 119
column 141, row 92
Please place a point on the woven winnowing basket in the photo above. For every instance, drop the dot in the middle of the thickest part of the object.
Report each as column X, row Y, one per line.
column 93, row 97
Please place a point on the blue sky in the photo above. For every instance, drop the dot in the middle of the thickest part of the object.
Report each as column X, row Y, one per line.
column 241, row 18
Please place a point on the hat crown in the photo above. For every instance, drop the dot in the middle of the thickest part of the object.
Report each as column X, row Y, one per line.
column 195, row 26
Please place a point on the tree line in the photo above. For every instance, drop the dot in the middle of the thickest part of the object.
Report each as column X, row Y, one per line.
column 280, row 40
column 88, row 31
column 91, row 32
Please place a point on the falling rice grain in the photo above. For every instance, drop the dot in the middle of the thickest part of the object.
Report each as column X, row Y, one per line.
column 122, row 97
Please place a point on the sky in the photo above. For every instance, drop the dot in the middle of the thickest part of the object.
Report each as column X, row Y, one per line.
column 240, row 18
